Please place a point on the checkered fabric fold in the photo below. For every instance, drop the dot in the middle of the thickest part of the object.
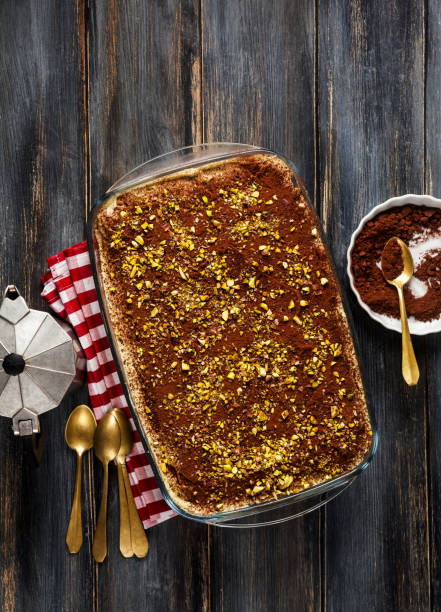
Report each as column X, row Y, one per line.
column 69, row 289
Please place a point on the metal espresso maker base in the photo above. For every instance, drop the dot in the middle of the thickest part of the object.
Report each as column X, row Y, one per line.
column 39, row 361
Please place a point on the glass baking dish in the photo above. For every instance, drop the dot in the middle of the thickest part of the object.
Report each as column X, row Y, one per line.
column 264, row 513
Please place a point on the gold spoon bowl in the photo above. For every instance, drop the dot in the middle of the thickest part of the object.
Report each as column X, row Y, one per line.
column 79, row 432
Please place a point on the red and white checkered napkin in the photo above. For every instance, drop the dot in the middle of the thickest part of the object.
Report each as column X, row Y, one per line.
column 69, row 289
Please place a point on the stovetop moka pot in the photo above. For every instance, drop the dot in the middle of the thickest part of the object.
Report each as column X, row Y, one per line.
column 39, row 361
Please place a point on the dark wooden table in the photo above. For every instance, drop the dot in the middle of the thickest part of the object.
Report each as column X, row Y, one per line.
column 351, row 92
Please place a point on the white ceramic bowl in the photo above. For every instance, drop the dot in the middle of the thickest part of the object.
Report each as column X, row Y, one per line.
column 419, row 328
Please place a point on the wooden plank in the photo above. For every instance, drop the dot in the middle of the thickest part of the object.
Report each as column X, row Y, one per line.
column 433, row 344
column 258, row 87
column 371, row 80
column 144, row 94
column 144, row 83
column 41, row 211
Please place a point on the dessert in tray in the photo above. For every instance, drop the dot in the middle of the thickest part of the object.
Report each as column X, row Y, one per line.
column 233, row 338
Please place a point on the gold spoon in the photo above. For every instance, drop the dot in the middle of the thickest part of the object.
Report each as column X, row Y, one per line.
column 139, row 543
column 80, row 428
column 409, row 364
column 125, row 538
column 106, row 445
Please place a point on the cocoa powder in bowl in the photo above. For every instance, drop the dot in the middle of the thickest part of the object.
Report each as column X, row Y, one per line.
column 420, row 228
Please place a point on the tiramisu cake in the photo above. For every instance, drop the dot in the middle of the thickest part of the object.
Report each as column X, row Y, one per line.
column 232, row 333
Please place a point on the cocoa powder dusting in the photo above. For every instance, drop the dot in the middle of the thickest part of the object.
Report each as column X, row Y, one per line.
column 228, row 317
column 415, row 225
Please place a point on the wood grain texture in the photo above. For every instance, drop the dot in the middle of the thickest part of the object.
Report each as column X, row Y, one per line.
column 144, row 100
column 144, row 83
column 433, row 344
column 41, row 210
column 371, row 109
column 258, row 87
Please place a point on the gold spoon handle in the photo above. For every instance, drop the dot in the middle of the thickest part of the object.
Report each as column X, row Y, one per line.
column 99, row 547
column 140, row 544
column 409, row 364
column 74, row 535
column 125, row 538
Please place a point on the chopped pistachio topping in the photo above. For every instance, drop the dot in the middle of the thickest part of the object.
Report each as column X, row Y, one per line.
column 242, row 365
